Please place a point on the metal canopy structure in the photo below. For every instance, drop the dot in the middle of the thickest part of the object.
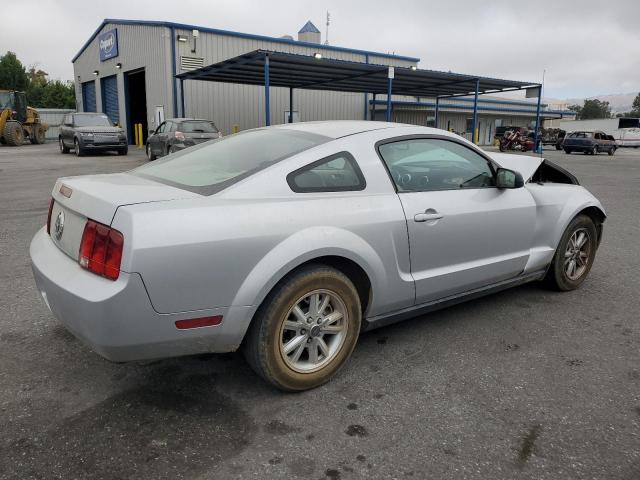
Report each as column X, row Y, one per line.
column 295, row 71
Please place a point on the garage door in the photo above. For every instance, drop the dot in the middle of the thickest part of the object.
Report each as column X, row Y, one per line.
column 89, row 96
column 109, row 87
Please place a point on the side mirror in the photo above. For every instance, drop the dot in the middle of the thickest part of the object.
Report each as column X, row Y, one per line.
column 506, row 178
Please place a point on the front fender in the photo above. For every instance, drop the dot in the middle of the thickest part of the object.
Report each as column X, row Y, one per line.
column 303, row 246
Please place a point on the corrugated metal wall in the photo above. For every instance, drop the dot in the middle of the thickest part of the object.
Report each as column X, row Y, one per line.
column 139, row 46
column 243, row 105
column 149, row 47
column 53, row 117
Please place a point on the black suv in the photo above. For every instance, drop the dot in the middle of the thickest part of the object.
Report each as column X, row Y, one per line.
column 84, row 132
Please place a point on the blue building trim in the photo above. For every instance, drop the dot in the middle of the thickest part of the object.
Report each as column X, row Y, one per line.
column 285, row 41
column 481, row 107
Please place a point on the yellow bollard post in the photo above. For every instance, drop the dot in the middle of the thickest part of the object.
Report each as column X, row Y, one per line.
column 476, row 135
column 235, row 128
column 135, row 134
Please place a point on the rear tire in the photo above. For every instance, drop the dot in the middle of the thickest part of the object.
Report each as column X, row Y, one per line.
column 567, row 151
column 123, row 151
column 291, row 323
column 595, row 150
column 572, row 261
column 13, row 134
column 611, row 151
column 62, row 147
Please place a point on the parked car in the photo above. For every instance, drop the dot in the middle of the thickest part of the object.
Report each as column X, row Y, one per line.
column 177, row 134
column 91, row 132
column 590, row 143
column 288, row 241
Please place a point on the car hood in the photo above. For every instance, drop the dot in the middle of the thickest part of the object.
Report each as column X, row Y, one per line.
column 97, row 129
column 526, row 165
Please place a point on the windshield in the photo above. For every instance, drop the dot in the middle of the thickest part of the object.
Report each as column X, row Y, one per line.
column 97, row 120
column 197, row 127
column 213, row 166
column 6, row 100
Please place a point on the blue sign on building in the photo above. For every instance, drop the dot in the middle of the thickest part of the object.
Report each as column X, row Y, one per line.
column 108, row 44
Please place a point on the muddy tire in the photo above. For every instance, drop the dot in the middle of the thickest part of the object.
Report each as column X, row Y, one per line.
column 574, row 256
column 37, row 134
column 123, row 151
column 77, row 149
column 150, row 155
column 13, row 134
column 305, row 330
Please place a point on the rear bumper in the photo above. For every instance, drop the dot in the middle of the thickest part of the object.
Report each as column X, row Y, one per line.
column 116, row 319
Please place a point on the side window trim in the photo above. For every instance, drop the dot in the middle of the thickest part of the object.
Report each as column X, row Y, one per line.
column 362, row 183
column 492, row 164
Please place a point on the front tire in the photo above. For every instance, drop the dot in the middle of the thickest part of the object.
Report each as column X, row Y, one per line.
column 305, row 330
column 38, row 136
column 567, row 151
column 574, row 256
column 77, row 149
column 123, row 151
column 611, row 151
column 595, row 150
column 150, row 155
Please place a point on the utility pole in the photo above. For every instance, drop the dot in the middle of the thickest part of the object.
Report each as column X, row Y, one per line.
column 326, row 37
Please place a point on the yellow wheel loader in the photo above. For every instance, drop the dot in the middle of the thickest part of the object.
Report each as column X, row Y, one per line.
column 18, row 121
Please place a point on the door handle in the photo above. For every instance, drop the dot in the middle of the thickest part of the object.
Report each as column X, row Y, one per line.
column 429, row 215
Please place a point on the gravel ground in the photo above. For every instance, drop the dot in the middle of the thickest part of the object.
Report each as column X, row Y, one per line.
column 526, row 383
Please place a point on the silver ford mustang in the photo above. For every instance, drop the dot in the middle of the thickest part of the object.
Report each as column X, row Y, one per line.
column 289, row 241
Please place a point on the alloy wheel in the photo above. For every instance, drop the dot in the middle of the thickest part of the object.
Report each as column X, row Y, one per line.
column 313, row 331
column 577, row 254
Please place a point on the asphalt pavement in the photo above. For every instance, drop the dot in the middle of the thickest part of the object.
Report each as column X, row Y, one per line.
column 527, row 383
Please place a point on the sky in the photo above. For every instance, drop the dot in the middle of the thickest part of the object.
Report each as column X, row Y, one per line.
column 585, row 47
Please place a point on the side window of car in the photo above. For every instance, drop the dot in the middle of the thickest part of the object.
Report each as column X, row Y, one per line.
column 431, row 164
column 597, row 136
column 337, row 173
column 173, row 127
column 162, row 127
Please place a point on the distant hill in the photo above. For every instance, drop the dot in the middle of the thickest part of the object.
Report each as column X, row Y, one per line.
column 619, row 102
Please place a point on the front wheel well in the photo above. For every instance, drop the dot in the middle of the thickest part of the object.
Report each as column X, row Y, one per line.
column 597, row 216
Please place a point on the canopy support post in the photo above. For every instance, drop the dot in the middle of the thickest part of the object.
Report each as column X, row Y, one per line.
column 536, row 137
column 290, row 104
column 267, row 109
column 390, row 76
column 437, row 111
column 475, row 113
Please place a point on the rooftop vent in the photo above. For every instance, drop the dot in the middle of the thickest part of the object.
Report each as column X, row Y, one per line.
column 309, row 33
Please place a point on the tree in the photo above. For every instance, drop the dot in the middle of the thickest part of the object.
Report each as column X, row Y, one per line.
column 58, row 94
column 635, row 112
column 12, row 73
column 577, row 109
column 595, row 109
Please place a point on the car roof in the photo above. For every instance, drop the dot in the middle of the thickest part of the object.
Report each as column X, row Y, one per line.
column 186, row 119
column 339, row 128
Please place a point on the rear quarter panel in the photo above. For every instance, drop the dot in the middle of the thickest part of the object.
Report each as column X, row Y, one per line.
column 233, row 247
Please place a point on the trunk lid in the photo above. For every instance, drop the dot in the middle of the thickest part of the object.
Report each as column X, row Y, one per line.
column 98, row 197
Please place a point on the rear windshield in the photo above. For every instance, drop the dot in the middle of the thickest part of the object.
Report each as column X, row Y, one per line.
column 213, row 166
column 97, row 120
column 198, row 127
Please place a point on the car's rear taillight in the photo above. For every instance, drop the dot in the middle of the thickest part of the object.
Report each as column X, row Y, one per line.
column 101, row 250
column 49, row 216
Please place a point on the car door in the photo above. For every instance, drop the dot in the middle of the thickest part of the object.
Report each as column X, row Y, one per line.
column 156, row 144
column 464, row 233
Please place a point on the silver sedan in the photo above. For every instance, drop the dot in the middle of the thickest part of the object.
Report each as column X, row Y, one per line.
column 289, row 241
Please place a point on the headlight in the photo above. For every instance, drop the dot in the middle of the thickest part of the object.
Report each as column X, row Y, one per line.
column 86, row 134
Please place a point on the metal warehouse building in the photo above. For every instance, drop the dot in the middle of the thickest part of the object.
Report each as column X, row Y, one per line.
column 127, row 69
